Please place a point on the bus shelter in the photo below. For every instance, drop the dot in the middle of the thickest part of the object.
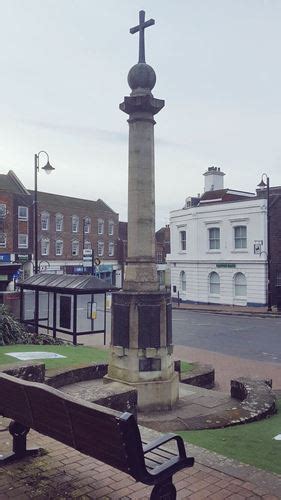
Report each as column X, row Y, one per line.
column 69, row 304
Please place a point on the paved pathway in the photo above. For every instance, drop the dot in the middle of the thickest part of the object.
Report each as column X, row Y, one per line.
column 228, row 367
column 224, row 309
column 67, row 474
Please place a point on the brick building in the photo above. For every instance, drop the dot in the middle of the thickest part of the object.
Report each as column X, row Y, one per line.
column 162, row 248
column 66, row 226
column 275, row 242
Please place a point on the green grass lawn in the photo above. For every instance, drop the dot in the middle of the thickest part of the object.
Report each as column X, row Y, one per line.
column 249, row 443
column 75, row 356
column 186, row 367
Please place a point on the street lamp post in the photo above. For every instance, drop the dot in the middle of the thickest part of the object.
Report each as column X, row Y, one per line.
column 265, row 185
column 48, row 169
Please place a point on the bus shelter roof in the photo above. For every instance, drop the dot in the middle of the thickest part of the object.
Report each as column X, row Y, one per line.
column 66, row 283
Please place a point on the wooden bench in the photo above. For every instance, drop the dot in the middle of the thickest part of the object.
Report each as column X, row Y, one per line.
column 102, row 433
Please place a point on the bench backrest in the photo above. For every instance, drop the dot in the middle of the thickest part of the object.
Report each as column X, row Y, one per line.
column 100, row 432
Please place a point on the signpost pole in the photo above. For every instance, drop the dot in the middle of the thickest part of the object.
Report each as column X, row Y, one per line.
column 93, row 263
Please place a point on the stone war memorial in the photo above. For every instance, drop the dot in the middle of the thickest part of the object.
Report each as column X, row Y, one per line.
column 141, row 351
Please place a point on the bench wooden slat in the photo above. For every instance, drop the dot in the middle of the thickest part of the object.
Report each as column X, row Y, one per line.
column 14, row 402
column 102, row 433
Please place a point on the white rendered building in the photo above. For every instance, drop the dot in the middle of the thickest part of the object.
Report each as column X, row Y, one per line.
column 218, row 246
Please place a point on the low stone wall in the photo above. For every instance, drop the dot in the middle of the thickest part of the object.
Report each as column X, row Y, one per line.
column 256, row 396
column 200, row 376
column 60, row 378
column 31, row 372
column 112, row 395
column 252, row 400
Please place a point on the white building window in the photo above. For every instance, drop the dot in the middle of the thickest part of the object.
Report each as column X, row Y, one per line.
column 75, row 248
column 3, row 240
column 22, row 213
column 87, row 225
column 240, row 285
column 240, row 237
column 45, row 217
column 214, row 238
column 59, row 247
column 100, row 226
column 100, row 248
column 75, row 223
column 87, row 245
column 3, row 210
column 22, row 240
column 111, row 249
column 182, row 240
column 214, row 283
column 45, row 246
column 110, row 228
column 59, row 222
column 183, row 281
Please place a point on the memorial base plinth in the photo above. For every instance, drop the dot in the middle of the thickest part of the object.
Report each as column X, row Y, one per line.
column 154, row 395
column 141, row 350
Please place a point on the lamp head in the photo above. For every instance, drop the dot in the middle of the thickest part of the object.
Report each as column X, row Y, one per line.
column 262, row 184
column 48, row 168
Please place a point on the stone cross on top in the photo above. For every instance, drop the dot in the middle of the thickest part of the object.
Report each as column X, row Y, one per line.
column 141, row 27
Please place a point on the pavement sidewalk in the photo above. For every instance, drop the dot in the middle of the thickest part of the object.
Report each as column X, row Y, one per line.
column 261, row 312
column 64, row 473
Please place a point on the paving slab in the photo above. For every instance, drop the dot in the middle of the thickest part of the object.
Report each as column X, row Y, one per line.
column 64, row 473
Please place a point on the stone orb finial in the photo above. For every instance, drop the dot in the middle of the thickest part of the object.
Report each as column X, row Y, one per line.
column 141, row 76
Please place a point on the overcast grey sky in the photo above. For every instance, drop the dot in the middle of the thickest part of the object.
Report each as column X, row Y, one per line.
column 64, row 66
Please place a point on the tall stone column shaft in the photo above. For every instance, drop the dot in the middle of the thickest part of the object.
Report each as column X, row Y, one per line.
column 141, row 329
column 141, row 198
column 141, row 273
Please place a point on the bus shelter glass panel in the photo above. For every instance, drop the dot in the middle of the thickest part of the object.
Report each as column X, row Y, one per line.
column 51, row 309
column 99, row 300
column 28, row 305
column 90, row 312
column 84, row 313
column 65, row 312
column 43, row 308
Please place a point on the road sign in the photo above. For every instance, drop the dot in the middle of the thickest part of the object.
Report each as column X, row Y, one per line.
column 87, row 255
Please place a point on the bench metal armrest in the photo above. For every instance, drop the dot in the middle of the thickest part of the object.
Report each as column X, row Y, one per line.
column 156, row 443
